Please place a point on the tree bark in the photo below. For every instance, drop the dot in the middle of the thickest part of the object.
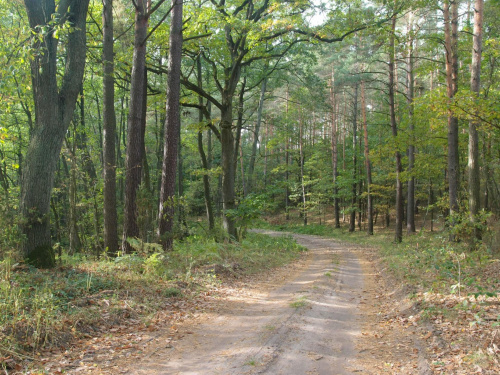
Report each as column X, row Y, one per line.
column 135, row 135
column 392, row 108
column 301, row 161
column 473, row 150
column 410, row 210
column 334, row 140
column 204, row 162
column 172, row 126
column 54, row 107
column 450, row 12
column 352, row 219
column 109, row 129
column 255, row 143
column 368, row 166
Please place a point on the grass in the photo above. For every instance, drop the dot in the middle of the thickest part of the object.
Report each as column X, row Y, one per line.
column 84, row 297
column 299, row 302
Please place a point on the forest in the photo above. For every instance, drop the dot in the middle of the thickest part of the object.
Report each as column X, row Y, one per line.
column 132, row 131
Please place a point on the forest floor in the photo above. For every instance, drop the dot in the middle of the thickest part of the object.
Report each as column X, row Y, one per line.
column 336, row 310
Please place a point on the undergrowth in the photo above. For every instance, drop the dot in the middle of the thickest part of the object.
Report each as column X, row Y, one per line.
column 47, row 308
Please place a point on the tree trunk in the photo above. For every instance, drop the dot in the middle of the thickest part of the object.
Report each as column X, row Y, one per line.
column 228, row 169
column 352, row 220
column 368, row 166
column 135, row 141
column 392, row 108
column 410, row 210
column 334, row 140
column 54, row 107
column 172, row 126
column 204, row 161
column 301, row 161
column 473, row 167
column 451, row 43
column 74, row 239
column 287, row 162
column 239, row 127
column 109, row 128
column 251, row 166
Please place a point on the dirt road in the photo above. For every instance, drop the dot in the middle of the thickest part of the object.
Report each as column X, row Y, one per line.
column 307, row 325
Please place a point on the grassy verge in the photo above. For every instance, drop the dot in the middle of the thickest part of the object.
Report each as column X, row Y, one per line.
column 85, row 298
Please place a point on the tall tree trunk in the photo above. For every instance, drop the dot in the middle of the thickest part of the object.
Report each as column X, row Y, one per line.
column 335, row 158
column 74, row 239
column 228, row 169
column 352, row 219
column 450, row 12
column 172, row 126
column 301, row 161
column 287, row 162
column 368, row 166
column 410, row 211
column 394, row 128
column 135, row 140
column 204, row 161
column 473, row 167
column 54, row 107
column 239, row 127
column 255, row 143
column 109, row 128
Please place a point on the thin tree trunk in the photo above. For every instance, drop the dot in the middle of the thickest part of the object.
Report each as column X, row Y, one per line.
column 473, row 167
column 109, row 128
column 352, row 220
column 255, row 143
column 392, row 108
column 172, row 126
column 301, row 160
column 410, row 210
column 287, row 162
column 451, row 43
column 239, row 127
column 204, row 161
column 74, row 239
column 334, row 140
column 368, row 166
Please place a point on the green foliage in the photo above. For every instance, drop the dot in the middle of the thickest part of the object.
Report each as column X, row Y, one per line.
column 464, row 229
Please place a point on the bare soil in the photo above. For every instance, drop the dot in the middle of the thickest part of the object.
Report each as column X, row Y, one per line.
column 331, row 312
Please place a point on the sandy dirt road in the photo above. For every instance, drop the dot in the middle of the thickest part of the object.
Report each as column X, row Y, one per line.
column 306, row 325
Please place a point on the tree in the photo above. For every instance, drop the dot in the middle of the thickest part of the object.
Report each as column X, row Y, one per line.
column 136, row 124
column 410, row 211
column 172, row 126
column 335, row 156
column 51, row 25
column 450, row 13
column 109, row 129
column 394, row 128
column 368, row 165
column 473, row 150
